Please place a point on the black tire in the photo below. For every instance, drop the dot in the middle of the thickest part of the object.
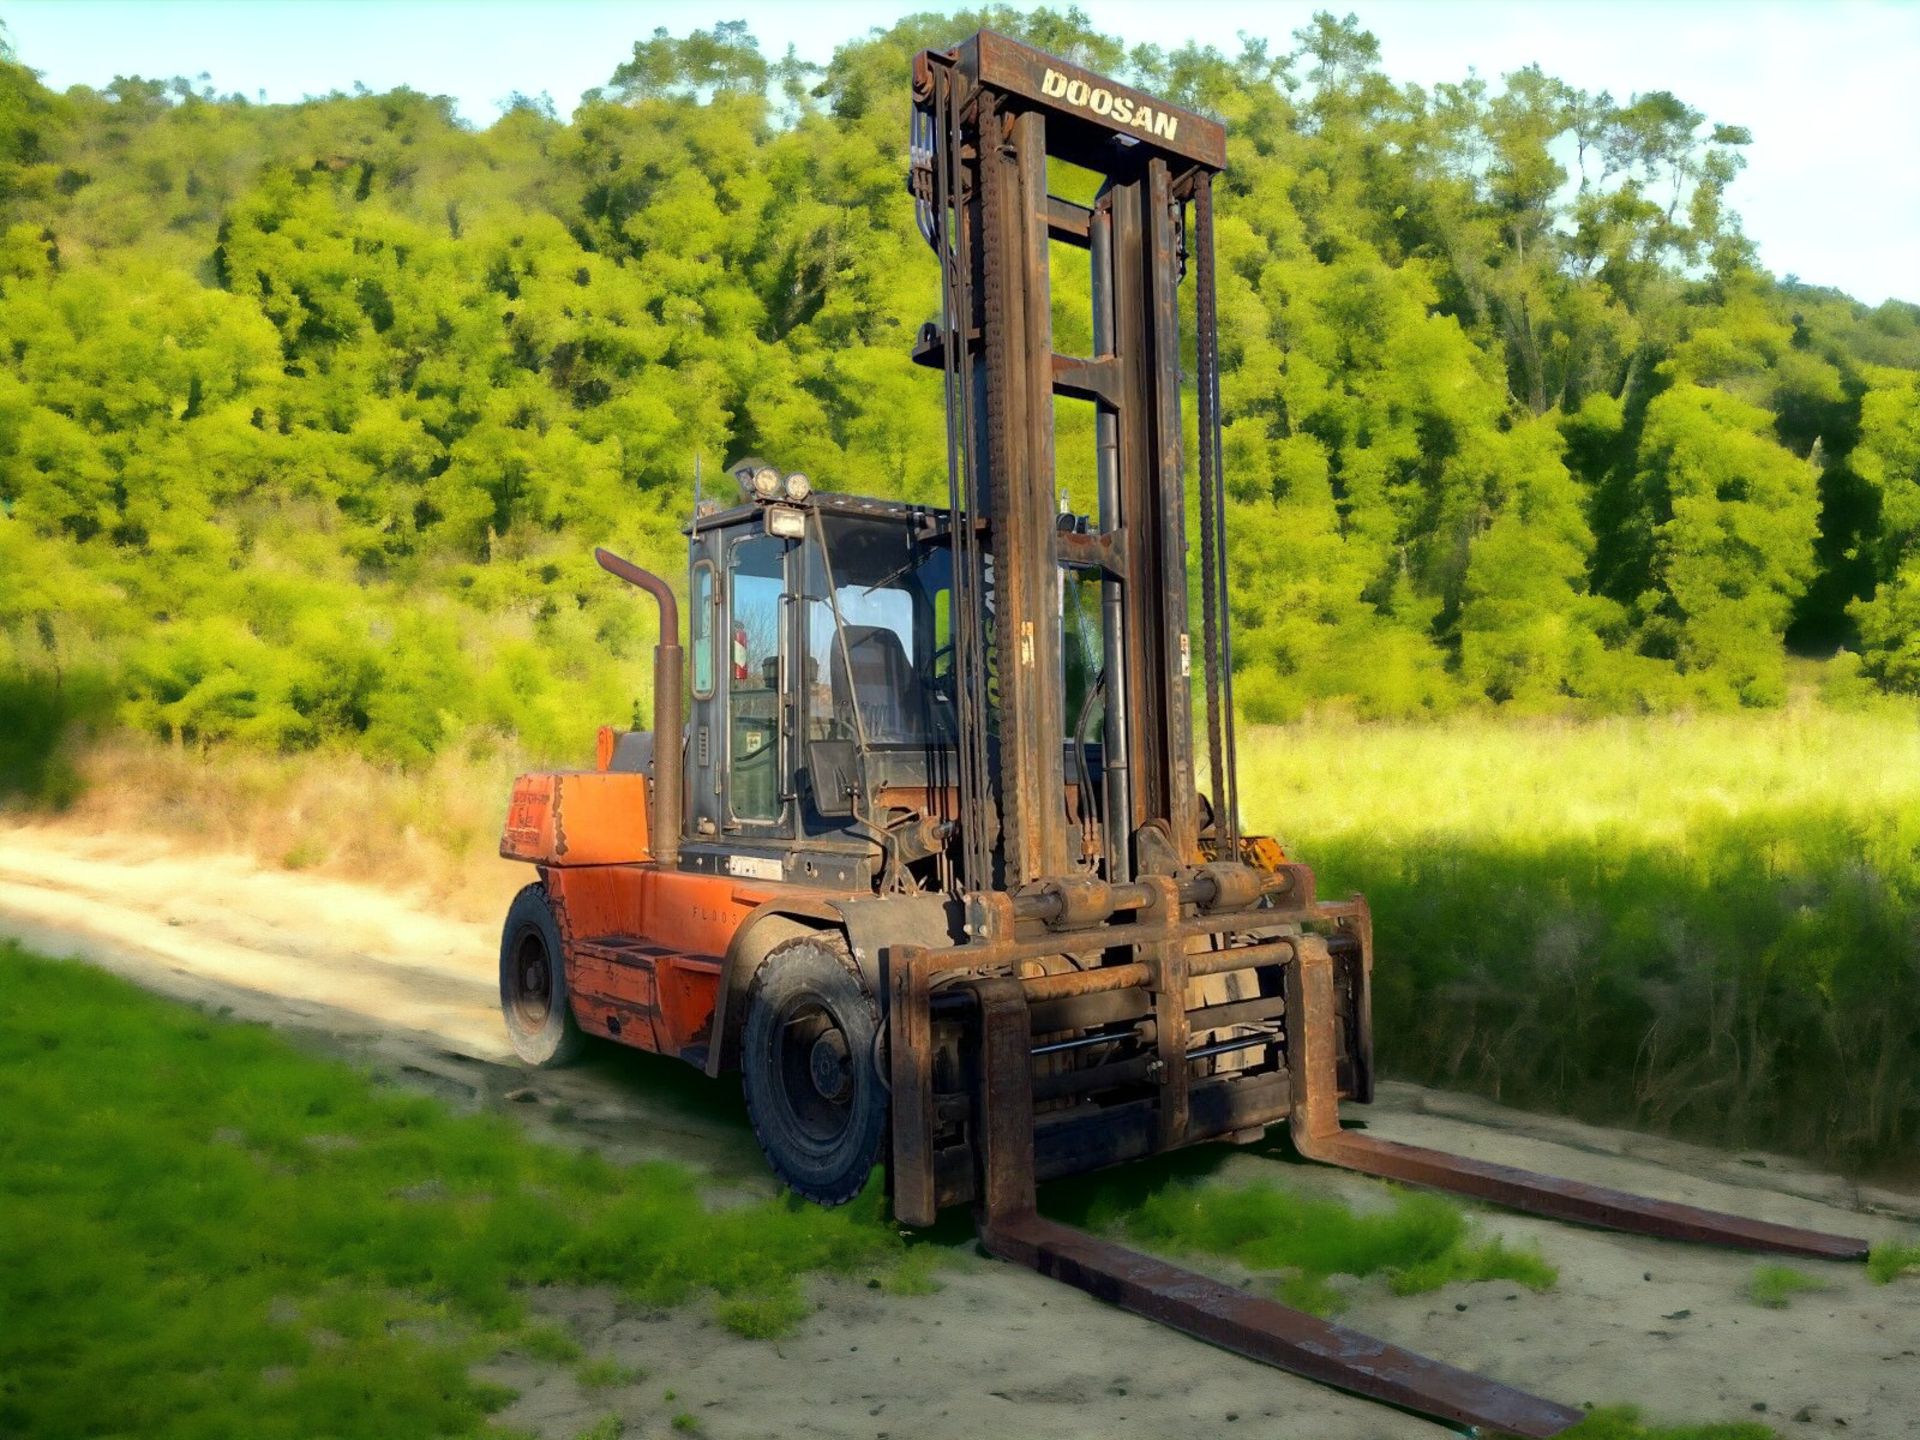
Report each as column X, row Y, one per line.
column 817, row 1103
column 533, row 983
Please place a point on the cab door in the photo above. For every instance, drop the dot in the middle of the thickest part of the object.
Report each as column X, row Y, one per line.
column 754, row 723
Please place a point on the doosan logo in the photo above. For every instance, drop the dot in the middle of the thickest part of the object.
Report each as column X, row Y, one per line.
column 1121, row 109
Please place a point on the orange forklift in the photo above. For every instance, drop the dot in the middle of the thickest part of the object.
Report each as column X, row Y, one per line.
column 917, row 842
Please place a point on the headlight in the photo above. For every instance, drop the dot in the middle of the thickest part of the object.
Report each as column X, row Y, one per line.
column 766, row 483
column 798, row 486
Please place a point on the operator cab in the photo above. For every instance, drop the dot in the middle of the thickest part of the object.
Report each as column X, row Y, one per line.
column 821, row 732
column 817, row 632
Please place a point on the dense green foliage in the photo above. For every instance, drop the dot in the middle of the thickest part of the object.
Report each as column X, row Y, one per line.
column 215, row 1233
column 310, row 414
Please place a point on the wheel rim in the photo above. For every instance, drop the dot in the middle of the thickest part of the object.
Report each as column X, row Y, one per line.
column 532, row 981
column 814, row 1061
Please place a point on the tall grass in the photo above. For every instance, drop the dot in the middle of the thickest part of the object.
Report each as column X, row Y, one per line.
column 432, row 828
column 1709, row 926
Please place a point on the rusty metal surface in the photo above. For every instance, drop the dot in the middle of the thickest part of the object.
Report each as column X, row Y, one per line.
column 1168, row 936
column 1222, row 756
column 1249, row 1325
column 943, row 178
column 910, row 1171
column 1104, row 107
column 1072, row 983
column 1004, row 1118
column 1017, row 341
column 1012, row 1151
column 668, row 705
column 1272, row 1333
column 1156, row 955
column 1560, row 1199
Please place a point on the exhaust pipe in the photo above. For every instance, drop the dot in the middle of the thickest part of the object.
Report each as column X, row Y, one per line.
column 668, row 707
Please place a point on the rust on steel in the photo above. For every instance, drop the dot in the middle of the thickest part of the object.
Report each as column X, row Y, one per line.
column 1104, row 106
column 1270, row 1332
column 1249, row 1325
column 669, row 703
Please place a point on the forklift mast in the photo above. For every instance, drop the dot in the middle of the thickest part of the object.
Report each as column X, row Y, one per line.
column 988, row 118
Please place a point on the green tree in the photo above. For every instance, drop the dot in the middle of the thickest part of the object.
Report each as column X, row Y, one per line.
column 1888, row 459
column 1733, row 519
column 311, row 414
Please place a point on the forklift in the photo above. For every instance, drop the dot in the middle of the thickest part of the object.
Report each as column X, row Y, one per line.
column 920, row 844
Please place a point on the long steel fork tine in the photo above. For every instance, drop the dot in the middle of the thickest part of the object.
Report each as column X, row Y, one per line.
column 1316, row 1133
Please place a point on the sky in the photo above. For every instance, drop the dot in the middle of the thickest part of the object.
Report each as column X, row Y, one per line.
column 1831, row 192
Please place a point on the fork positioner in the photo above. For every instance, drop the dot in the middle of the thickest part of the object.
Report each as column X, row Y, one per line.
column 929, row 864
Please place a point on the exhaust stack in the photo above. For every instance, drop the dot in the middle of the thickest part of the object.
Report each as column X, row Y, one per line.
column 668, row 707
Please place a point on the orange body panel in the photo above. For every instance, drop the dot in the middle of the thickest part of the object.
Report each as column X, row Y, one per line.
column 577, row 817
column 645, row 948
column 678, row 910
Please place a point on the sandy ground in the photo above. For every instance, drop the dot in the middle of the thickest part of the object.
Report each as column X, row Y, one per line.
column 1000, row 1351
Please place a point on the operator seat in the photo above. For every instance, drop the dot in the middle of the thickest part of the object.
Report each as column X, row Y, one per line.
column 889, row 692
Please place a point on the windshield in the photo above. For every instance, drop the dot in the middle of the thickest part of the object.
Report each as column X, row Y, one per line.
column 890, row 669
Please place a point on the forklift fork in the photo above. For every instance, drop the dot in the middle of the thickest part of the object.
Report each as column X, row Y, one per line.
column 1012, row 1228
column 1314, row 1127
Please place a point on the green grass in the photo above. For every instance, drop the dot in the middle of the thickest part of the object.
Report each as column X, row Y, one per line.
column 1623, row 1423
column 763, row 1317
column 1417, row 1244
column 549, row 1343
column 605, row 1373
column 1699, row 926
column 1888, row 1262
column 915, row 1274
column 1774, row 1286
column 213, row 1232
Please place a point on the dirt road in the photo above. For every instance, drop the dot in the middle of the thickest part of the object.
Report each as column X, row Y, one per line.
column 1000, row 1351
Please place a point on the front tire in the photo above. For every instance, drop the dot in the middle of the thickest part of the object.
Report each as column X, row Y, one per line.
column 533, row 983
column 807, row 1051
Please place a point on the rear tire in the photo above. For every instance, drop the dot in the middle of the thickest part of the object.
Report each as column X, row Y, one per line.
column 808, row 1071
column 533, row 983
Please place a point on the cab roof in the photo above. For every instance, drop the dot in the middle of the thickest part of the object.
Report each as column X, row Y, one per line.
column 860, row 506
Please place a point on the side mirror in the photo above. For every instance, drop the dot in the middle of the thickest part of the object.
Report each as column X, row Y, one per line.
column 832, row 775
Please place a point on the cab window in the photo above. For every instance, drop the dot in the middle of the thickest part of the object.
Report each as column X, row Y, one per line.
column 702, row 626
column 756, row 579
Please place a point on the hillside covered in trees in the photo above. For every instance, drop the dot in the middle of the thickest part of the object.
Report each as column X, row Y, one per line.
column 311, row 414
